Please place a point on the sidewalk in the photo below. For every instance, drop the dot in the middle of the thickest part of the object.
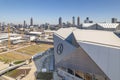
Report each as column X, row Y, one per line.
column 8, row 78
column 3, row 66
column 31, row 75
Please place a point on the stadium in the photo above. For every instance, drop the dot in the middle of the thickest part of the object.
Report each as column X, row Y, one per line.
column 86, row 54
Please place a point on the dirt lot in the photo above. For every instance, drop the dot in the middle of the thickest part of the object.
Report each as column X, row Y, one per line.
column 33, row 49
column 24, row 53
column 12, row 56
column 3, row 66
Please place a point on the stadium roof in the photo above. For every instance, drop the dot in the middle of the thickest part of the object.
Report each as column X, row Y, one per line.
column 65, row 32
column 108, row 25
column 91, row 36
column 104, row 25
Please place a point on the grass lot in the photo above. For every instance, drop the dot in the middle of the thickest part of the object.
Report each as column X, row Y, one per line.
column 45, row 76
column 18, row 62
column 17, row 72
column 8, row 57
column 34, row 49
column 30, row 50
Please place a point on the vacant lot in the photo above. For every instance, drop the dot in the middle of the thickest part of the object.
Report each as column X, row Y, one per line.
column 45, row 76
column 9, row 57
column 24, row 53
column 31, row 50
column 17, row 72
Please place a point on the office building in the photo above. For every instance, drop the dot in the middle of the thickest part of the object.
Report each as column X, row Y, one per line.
column 73, row 20
column 87, row 20
column 78, row 21
column 24, row 24
column 31, row 22
column 60, row 21
column 114, row 20
column 0, row 27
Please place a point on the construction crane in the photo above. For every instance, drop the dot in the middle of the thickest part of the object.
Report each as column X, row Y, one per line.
column 9, row 42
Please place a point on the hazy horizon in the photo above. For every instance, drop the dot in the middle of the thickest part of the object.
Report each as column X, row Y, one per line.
column 42, row 11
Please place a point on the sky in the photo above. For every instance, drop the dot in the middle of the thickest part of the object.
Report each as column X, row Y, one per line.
column 42, row 11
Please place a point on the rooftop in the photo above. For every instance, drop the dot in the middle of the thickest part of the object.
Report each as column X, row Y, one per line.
column 5, row 35
column 104, row 25
column 91, row 36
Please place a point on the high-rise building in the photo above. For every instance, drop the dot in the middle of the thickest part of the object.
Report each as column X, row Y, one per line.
column 24, row 23
column 114, row 20
column 31, row 22
column 73, row 20
column 0, row 27
column 78, row 21
column 0, row 24
column 87, row 20
column 60, row 21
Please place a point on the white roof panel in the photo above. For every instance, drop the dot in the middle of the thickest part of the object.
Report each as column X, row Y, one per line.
column 104, row 25
column 96, row 36
column 38, row 33
column 92, row 36
column 87, row 24
column 65, row 32
column 108, row 25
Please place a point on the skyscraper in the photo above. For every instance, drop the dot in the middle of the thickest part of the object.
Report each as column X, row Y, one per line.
column 87, row 20
column 73, row 20
column 0, row 27
column 31, row 22
column 78, row 21
column 114, row 20
column 60, row 21
column 24, row 23
column 0, row 24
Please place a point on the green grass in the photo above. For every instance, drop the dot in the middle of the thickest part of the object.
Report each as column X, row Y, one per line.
column 45, row 76
column 17, row 72
column 11, row 56
column 31, row 50
column 11, row 73
column 18, row 62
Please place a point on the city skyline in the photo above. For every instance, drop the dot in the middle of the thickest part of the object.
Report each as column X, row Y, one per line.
column 42, row 11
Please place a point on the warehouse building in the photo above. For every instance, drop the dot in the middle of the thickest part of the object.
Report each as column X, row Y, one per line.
column 13, row 37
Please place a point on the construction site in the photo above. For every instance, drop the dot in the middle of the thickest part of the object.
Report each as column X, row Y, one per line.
column 16, row 52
